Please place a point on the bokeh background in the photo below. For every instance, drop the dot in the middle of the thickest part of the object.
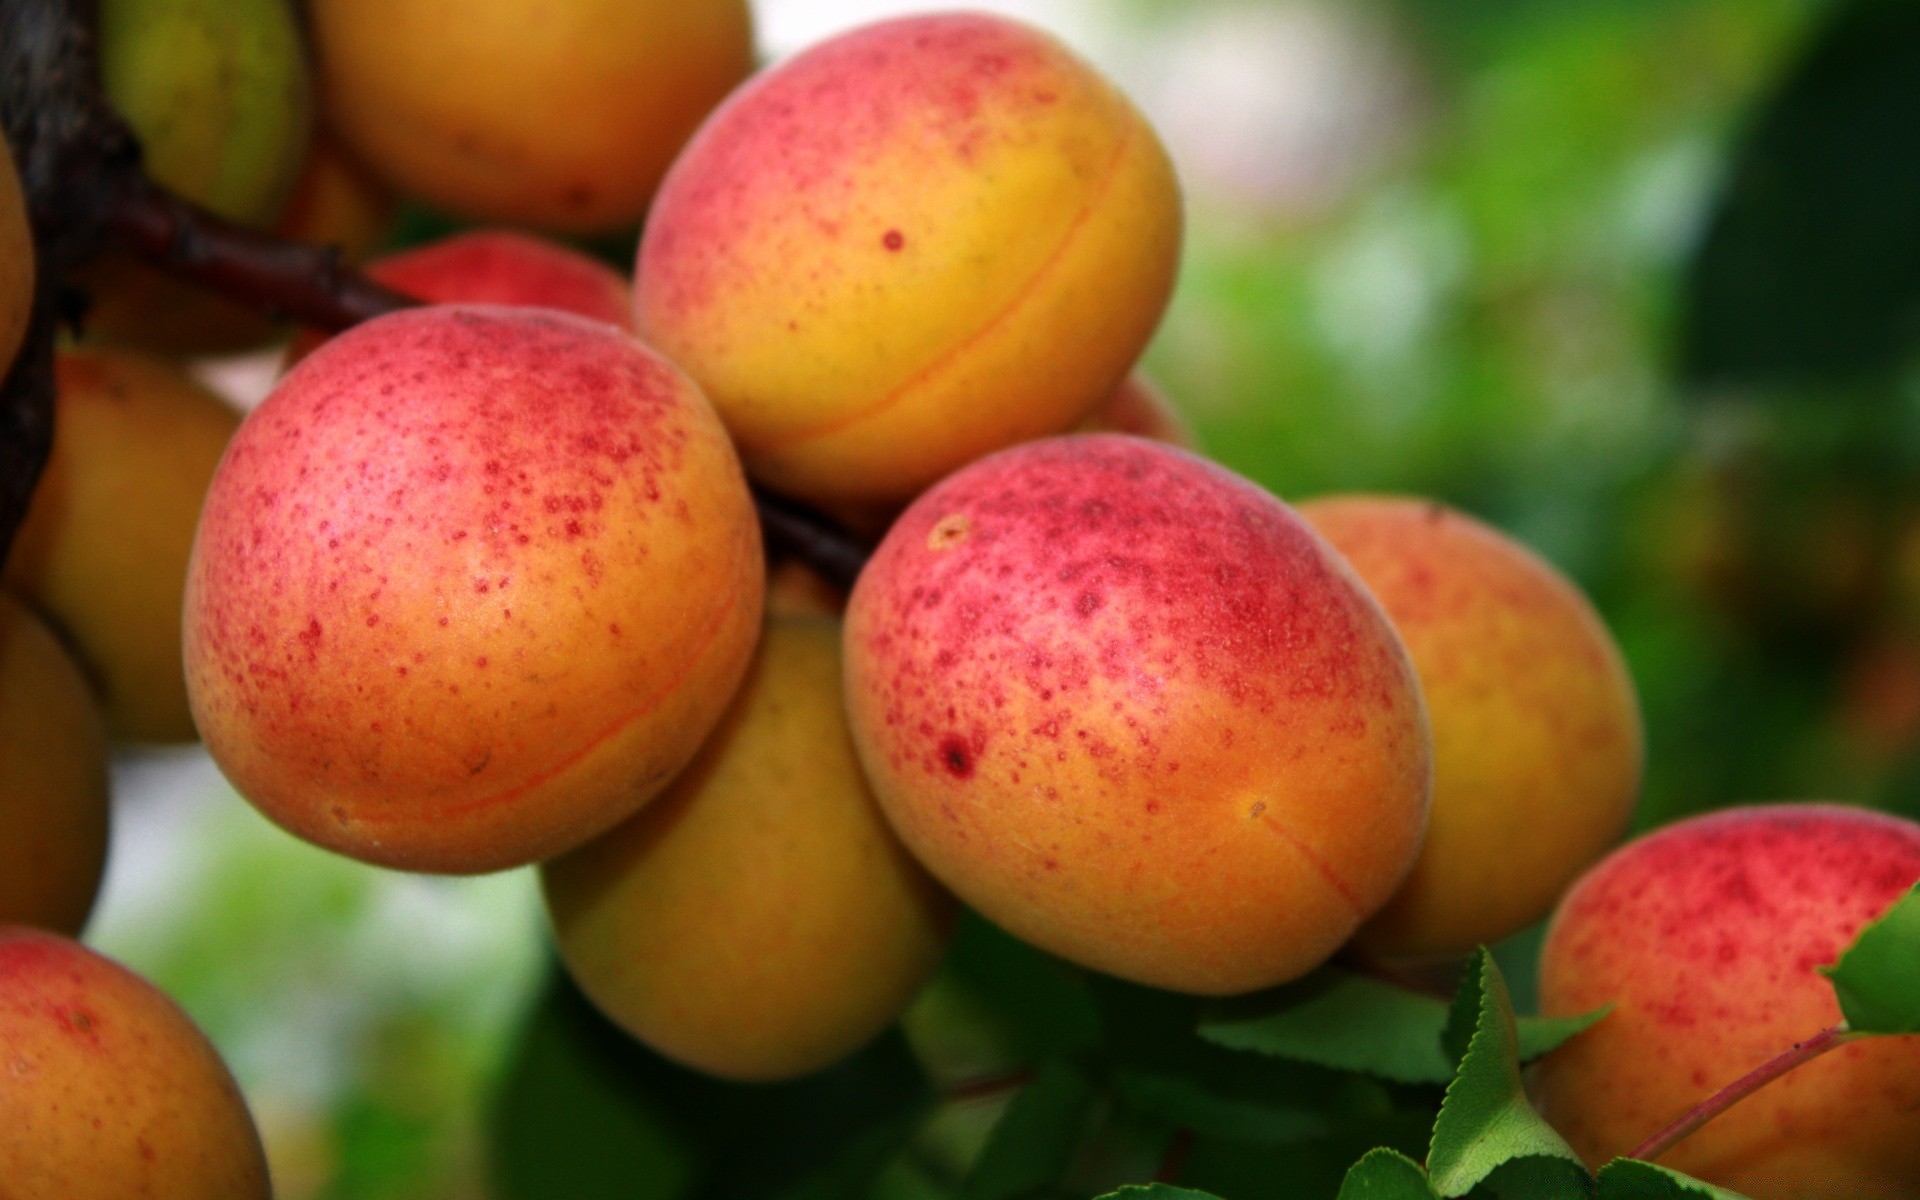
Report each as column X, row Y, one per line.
column 1635, row 280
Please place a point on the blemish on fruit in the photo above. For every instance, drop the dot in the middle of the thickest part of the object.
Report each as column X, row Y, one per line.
column 894, row 240
column 949, row 532
column 956, row 757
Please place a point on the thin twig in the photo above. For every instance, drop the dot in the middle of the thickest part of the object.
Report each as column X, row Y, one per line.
column 1738, row 1090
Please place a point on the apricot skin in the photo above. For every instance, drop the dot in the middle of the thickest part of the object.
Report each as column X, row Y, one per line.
column 909, row 246
column 469, row 587
column 1140, row 408
column 561, row 116
column 53, row 781
column 105, row 542
column 110, row 1090
column 1704, row 937
column 1537, row 741
column 1131, row 708
column 759, row 920
column 499, row 266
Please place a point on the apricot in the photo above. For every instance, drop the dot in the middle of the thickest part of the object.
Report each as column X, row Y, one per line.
column 53, row 781
column 110, row 1089
column 907, row 247
column 104, row 546
column 1537, row 741
column 1704, row 937
column 1135, row 711
column 759, row 920
column 797, row 590
column 16, row 261
column 469, row 587
column 562, row 116
column 498, row 266
column 1139, row 407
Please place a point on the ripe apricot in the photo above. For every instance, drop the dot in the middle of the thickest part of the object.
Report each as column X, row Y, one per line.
column 1537, row 742
column 104, row 546
column 563, row 115
column 499, row 266
column 759, row 920
column 1704, row 937
column 110, row 1090
column 469, row 587
column 53, row 781
column 1134, row 710
column 907, row 247
column 16, row 261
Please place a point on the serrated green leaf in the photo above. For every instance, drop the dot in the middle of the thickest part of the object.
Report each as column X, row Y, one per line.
column 1878, row 978
column 1486, row 1123
column 1538, row 1035
column 1351, row 1022
column 1337, row 1018
column 1631, row 1179
column 1386, row 1174
column 1035, row 1139
column 1157, row 1191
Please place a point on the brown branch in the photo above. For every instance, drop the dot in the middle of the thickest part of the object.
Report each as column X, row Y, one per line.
column 1738, row 1090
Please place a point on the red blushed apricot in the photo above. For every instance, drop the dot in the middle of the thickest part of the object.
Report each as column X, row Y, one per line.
column 469, row 587
column 499, row 266
column 1704, row 937
column 558, row 115
column 1537, row 744
column 110, row 1091
column 53, row 781
column 909, row 246
column 1134, row 710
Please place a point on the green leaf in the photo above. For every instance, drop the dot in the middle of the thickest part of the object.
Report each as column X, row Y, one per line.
column 1351, row 1022
column 587, row 1112
column 1191, row 1103
column 1339, row 1019
column 1878, row 978
column 1631, row 1179
column 1034, row 1141
column 1486, row 1124
column 1158, row 1191
column 1386, row 1175
column 1538, row 1035
column 1810, row 268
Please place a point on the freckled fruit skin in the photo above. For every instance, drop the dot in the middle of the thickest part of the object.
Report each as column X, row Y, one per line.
column 909, row 246
column 469, row 587
column 110, row 1091
column 1140, row 408
column 1134, row 710
column 562, row 115
column 53, row 783
column 835, row 929
column 499, row 266
column 16, row 261
column 1704, row 937
column 1537, row 741
column 104, row 547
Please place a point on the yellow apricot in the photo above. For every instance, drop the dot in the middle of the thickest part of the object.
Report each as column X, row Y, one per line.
column 559, row 115
column 53, row 781
column 111, row 1092
column 1537, row 744
column 16, row 261
column 907, row 247
column 759, row 920
column 104, row 547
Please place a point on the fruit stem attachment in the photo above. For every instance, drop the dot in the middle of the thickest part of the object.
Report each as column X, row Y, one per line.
column 1738, row 1090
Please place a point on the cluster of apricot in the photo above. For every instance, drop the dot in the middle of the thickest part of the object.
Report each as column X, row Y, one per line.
column 481, row 584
